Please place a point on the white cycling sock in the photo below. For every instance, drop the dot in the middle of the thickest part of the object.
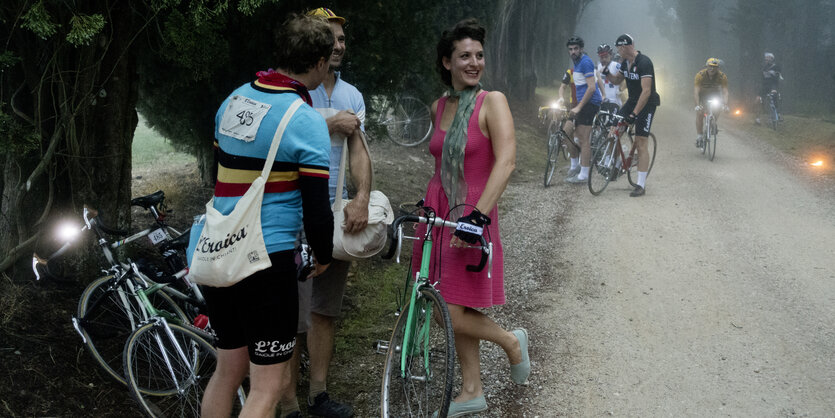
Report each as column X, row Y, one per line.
column 584, row 173
column 575, row 162
column 642, row 178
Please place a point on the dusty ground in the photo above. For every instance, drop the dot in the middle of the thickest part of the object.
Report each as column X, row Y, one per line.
column 712, row 295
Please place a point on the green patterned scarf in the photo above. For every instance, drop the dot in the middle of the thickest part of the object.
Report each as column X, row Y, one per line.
column 455, row 142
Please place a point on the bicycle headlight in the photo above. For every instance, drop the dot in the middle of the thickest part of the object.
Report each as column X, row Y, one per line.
column 68, row 232
column 714, row 103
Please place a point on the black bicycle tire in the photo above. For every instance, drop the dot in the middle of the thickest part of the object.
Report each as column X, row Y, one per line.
column 602, row 164
column 552, row 153
column 650, row 141
column 392, row 384
column 155, row 403
column 109, row 354
column 775, row 116
column 711, row 139
column 705, row 133
column 414, row 120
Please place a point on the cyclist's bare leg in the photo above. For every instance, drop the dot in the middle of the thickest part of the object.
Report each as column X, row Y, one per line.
column 289, row 397
column 320, row 346
column 231, row 369
column 584, row 135
column 700, row 121
column 643, row 153
column 268, row 383
column 470, row 327
column 568, row 128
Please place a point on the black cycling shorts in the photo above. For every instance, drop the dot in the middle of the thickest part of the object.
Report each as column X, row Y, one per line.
column 259, row 312
column 586, row 115
column 643, row 122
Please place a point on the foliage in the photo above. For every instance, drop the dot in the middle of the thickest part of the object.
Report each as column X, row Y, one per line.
column 83, row 28
column 39, row 21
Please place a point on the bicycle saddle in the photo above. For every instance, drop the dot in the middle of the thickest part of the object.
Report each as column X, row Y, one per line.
column 149, row 200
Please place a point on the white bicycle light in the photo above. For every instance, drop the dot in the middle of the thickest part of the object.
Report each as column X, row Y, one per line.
column 68, row 232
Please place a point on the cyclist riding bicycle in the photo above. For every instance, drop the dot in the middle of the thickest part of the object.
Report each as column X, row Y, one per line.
column 609, row 90
column 709, row 83
column 770, row 84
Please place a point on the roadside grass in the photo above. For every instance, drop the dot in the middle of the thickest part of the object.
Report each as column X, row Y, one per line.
column 150, row 149
column 808, row 139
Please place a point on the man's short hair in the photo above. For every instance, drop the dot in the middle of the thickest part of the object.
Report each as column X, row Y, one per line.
column 302, row 42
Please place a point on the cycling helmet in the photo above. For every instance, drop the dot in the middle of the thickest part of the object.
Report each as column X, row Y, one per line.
column 712, row 62
column 604, row 49
column 768, row 55
column 576, row 40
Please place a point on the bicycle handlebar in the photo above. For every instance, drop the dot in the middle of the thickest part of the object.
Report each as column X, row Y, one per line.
column 396, row 241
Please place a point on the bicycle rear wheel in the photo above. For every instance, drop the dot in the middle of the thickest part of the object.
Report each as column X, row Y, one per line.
column 651, row 148
column 554, row 147
column 167, row 373
column 411, row 122
column 107, row 314
column 603, row 166
column 423, row 384
column 711, row 139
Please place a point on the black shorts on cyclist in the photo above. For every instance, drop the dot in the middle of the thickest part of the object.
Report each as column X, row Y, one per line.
column 643, row 122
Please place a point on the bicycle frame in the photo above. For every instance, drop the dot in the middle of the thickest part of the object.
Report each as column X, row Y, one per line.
column 422, row 280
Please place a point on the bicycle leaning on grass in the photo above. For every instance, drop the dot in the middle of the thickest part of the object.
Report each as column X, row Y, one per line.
column 616, row 155
column 420, row 356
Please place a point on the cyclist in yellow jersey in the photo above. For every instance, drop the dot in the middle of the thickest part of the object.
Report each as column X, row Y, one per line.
column 710, row 82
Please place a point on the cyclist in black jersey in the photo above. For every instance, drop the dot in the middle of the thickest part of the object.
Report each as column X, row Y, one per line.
column 639, row 109
column 770, row 83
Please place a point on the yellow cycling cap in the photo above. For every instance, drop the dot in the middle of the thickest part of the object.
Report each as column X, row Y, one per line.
column 712, row 62
column 327, row 14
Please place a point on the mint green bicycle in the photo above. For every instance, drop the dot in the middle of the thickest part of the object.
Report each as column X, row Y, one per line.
column 420, row 356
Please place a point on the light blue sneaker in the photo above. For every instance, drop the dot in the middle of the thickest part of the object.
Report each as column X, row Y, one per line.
column 573, row 172
column 459, row 409
column 520, row 372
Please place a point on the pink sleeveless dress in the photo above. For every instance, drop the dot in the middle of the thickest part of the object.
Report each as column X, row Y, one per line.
column 457, row 285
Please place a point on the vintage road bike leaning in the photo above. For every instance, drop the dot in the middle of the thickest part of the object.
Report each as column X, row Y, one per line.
column 710, row 127
column 599, row 126
column 405, row 120
column 121, row 311
column 557, row 141
column 616, row 155
column 420, row 356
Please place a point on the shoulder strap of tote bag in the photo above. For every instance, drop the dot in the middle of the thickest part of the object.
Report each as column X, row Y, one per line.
column 340, row 179
column 279, row 132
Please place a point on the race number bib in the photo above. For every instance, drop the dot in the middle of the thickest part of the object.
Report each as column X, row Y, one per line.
column 242, row 118
column 157, row 236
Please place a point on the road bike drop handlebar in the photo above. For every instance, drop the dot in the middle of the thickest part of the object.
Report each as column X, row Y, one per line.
column 397, row 240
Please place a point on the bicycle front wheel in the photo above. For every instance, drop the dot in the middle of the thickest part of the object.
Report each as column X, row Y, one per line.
column 167, row 367
column 651, row 148
column 422, row 384
column 711, row 139
column 774, row 117
column 107, row 314
column 411, row 122
column 603, row 166
column 554, row 147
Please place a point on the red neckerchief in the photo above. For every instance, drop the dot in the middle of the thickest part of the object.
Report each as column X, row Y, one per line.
column 278, row 81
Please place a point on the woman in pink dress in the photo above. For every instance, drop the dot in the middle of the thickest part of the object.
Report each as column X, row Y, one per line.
column 474, row 146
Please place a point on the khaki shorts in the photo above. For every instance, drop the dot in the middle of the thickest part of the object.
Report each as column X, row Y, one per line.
column 323, row 295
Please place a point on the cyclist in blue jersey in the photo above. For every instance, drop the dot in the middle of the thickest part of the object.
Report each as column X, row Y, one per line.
column 586, row 104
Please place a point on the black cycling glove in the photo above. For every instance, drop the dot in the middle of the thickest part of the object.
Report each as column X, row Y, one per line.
column 630, row 119
column 471, row 235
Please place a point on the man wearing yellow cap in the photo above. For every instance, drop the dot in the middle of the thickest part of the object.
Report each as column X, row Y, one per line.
column 710, row 82
column 320, row 299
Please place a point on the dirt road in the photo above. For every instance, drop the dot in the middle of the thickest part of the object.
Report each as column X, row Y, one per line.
column 713, row 295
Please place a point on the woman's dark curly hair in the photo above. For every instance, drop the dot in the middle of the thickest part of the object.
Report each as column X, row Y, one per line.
column 467, row 28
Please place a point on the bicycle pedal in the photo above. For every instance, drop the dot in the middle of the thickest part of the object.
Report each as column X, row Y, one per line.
column 381, row 347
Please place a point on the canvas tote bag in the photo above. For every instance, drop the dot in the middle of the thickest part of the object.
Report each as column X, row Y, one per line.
column 372, row 239
column 231, row 247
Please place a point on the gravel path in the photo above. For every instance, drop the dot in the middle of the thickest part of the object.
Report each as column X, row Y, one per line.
column 713, row 295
